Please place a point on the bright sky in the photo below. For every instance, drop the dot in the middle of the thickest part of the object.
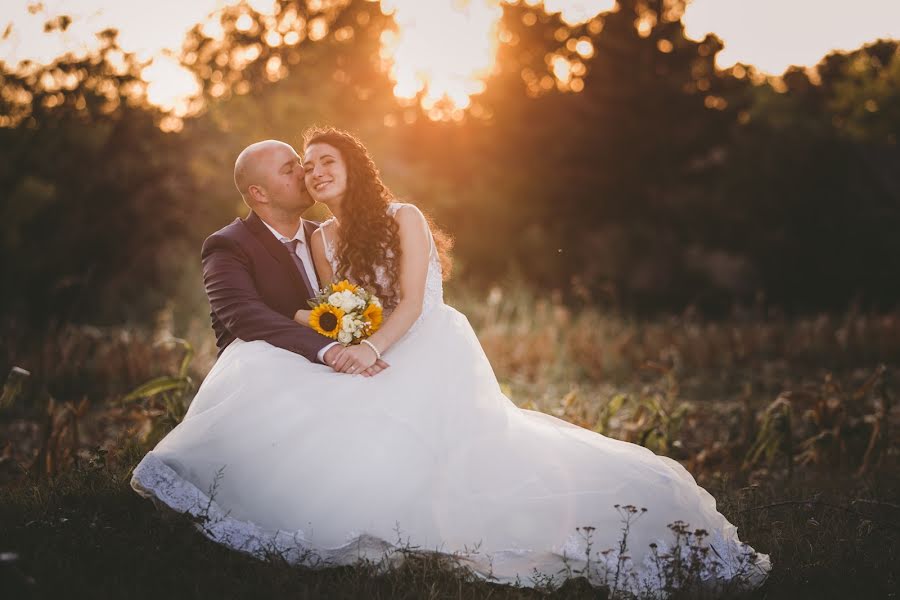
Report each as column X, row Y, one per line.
column 771, row 34
column 145, row 27
column 775, row 34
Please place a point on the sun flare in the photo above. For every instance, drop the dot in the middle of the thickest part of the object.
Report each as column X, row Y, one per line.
column 441, row 52
column 170, row 85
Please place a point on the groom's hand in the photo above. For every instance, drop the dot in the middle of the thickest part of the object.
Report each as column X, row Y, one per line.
column 332, row 355
column 378, row 367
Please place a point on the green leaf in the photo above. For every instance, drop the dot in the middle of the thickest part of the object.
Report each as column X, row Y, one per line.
column 186, row 361
column 616, row 404
column 157, row 386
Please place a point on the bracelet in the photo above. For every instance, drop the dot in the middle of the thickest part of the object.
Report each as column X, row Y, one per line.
column 372, row 346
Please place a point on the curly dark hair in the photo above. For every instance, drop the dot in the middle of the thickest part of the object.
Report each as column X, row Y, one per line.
column 369, row 235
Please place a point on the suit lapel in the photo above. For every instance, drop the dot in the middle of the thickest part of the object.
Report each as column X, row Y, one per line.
column 278, row 251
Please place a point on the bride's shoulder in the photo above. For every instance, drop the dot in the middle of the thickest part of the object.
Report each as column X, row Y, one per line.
column 407, row 215
column 405, row 211
column 393, row 207
column 410, row 220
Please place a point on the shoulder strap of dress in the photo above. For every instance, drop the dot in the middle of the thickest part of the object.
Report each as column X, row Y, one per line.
column 326, row 239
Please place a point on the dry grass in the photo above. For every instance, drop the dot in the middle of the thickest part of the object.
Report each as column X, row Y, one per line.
column 791, row 423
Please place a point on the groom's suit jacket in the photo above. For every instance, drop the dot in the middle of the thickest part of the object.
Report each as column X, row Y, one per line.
column 254, row 288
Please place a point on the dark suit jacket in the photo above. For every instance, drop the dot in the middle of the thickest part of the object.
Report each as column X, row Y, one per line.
column 254, row 288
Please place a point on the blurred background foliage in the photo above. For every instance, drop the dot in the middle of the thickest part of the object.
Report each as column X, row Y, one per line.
column 698, row 260
column 640, row 178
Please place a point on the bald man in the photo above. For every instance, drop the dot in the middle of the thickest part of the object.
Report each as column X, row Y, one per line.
column 258, row 271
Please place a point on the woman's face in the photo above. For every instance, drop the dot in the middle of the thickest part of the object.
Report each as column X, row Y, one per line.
column 325, row 173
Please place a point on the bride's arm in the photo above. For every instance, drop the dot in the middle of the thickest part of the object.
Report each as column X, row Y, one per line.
column 415, row 248
column 323, row 270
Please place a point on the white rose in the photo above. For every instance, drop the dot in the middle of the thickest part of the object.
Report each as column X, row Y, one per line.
column 338, row 300
column 348, row 325
column 351, row 300
column 345, row 337
column 335, row 300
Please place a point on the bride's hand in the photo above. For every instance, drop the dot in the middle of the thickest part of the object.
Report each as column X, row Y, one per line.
column 355, row 359
column 302, row 316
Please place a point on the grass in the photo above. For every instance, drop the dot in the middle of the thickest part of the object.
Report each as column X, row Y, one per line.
column 790, row 423
column 86, row 532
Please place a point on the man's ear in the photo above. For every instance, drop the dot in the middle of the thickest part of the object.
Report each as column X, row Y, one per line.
column 258, row 194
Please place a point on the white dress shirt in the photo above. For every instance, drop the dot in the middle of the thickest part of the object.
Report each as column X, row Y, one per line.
column 303, row 252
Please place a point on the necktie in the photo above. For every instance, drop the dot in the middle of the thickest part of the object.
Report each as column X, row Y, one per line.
column 292, row 250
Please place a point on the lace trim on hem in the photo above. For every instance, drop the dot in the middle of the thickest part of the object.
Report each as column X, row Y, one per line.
column 155, row 480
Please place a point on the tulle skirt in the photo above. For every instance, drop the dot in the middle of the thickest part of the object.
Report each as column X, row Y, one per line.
column 278, row 454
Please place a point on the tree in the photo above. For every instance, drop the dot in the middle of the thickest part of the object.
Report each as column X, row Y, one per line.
column 97, row 197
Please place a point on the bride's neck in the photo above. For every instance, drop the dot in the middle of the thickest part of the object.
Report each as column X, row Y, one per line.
column 338, row 213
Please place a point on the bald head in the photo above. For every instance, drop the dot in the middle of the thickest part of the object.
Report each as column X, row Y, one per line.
column 250, row 168
column 269, row 176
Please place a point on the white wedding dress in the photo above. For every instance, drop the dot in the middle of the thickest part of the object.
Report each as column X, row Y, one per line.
column 278, row 454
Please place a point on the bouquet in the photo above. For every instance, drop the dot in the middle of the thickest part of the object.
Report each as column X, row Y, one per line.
column 345, row 312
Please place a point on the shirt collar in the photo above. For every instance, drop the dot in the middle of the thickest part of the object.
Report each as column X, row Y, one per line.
column 297, row 236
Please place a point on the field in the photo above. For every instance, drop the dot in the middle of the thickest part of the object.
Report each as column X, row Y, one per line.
column 790, row 422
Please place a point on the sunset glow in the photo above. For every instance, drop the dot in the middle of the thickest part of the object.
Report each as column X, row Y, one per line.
column 772, row 35
column 576, row 11
column 152, row 31
column 170, row 85
column 443, row 50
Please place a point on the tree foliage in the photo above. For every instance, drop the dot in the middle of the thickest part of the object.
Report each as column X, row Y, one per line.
column 639, row 173
column 96, row 197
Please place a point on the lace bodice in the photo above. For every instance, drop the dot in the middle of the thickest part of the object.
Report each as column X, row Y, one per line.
column 434, row 288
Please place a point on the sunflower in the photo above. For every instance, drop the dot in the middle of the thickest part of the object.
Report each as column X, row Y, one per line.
column 344, row 285
column 373, row 315
column 326, row 319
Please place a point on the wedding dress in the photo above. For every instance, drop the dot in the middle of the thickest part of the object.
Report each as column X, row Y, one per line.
column 278, row 454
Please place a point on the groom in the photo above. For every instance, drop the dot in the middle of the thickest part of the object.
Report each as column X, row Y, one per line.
column 258, row 271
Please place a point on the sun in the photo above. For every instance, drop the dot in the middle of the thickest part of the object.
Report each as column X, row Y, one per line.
column 170, row 85
column 441, row 52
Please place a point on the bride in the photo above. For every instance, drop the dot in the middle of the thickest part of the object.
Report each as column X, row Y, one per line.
column 332, row 464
